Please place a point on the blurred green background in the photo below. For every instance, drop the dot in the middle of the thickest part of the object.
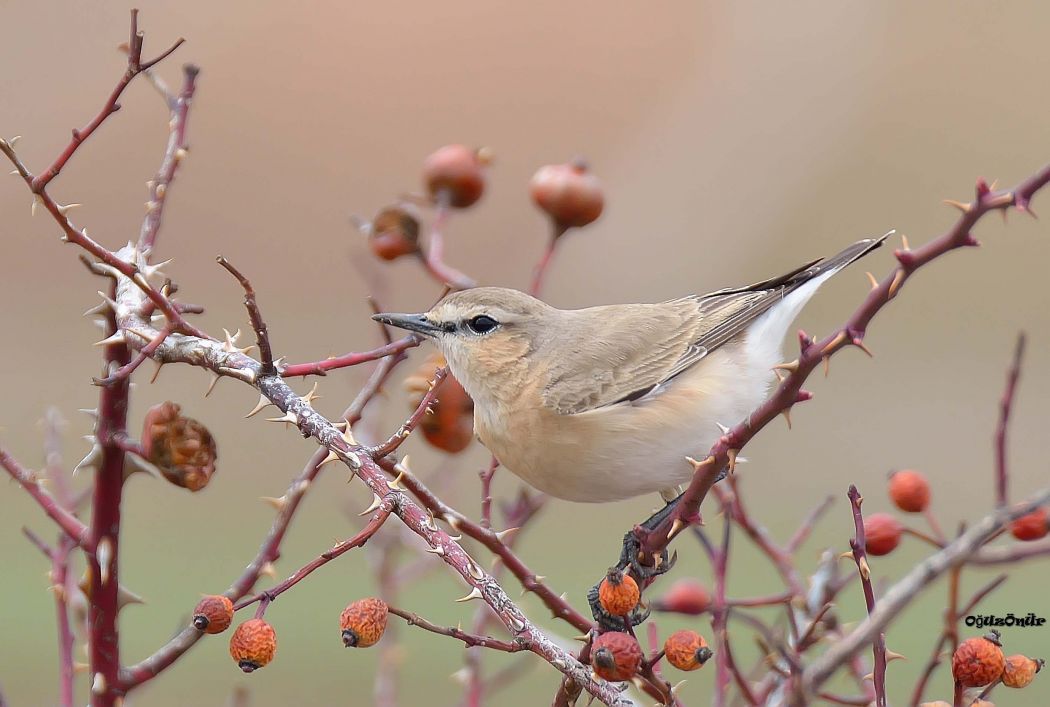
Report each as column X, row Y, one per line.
column 734, row 141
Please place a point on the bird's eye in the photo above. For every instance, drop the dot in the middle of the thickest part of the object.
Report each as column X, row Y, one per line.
column 482, row 324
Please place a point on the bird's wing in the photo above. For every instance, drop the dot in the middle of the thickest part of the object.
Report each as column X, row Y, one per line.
column 655, row 343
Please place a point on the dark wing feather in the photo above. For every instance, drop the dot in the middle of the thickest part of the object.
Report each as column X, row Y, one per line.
column 725, row 313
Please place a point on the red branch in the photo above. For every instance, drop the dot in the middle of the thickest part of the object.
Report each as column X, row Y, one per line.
column 469, row 639
column 860, row 556
column 790, row 392
column 69, row 523
column 1005, row 406
column 382, row 512
column 321, row 368
column 423, row 408
column 135, row 66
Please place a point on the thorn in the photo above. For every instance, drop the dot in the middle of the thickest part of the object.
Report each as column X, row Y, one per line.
column 98, row 684
column 332, row 456
column 732, row 455
column 780, row 377
column 436, row 550
column 90, row 412
column 475, row 593
column 104, row 555
column 965, row 208
column 259, row 406
column 117, row 338
column 311, row 396
column 872, row 280
column 676, row 526
column 63, row 210
column 11, row 142
column 229, row 346
column 834, row 343
column 869, row 676
column 827, row 365
column 211, row 385
column 504, row 535
column 678, row 686
column 180, row 154
column 278, row 503
column 859, row 343
column 36, row 202
column 91, row 459
column 898, row 280
column 865, row 568
column 125, row 596
column 848, row 555
column 268, row 570
column 395, row 484
column 723, row 428
column 787, row 416
column 376, row 502
column 790, row 366
column 288, row 417
column 893, row 655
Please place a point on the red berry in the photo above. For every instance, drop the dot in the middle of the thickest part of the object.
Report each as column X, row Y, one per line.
column 253, row 644
column 978, row 661
column 454, row 174
column 618, row 593
column 909, row 490
column 687, row 650
column 615, row 656
column 1020, row 670
column 1031, row 526
column 882, row 533
column 568, row 193
column 214, row 614
column 363, row 622
column 686, row 596
column 394, row 232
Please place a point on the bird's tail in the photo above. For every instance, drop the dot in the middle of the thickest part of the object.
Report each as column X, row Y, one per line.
column 798, row 287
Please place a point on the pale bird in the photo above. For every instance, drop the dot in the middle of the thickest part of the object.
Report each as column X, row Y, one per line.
column 605, row 403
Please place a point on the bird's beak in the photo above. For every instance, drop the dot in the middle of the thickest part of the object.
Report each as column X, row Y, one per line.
column 412, row 322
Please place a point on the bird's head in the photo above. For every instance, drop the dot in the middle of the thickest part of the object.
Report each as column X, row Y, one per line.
column 486, row 334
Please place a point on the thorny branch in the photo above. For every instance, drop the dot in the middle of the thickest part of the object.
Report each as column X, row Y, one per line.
column 722, row 455
column 860, row 556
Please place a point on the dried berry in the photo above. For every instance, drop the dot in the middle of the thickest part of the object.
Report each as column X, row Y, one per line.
column 450, row 425
column 687, row 650
column 214, row 614
column 909, row 490
column 363, row 622
column 615, row 656
column 686, row 596
column 1020, row 670
column 1031, row 526
column 253, row 644
column 618, row 593
column 454, row 175
column 182, row 448
column 978, row 661
column 569, row 194
column 395, row 232
column 882, row 533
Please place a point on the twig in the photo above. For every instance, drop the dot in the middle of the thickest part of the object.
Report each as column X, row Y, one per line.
column 262, row 337
column 808, row 524
column 860, row 556
column 423, row 408
column 135, row 66
column 1005, row 406
column 434, row 256
column 382, row 512
column 174, row 152
column 321, row 368
column 69, row 523
column 469, row 639
column 144, row 353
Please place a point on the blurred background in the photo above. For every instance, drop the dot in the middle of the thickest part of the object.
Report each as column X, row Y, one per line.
column 734, row 141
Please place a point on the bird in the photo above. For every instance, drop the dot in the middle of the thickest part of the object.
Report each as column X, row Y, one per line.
column 607, row 403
